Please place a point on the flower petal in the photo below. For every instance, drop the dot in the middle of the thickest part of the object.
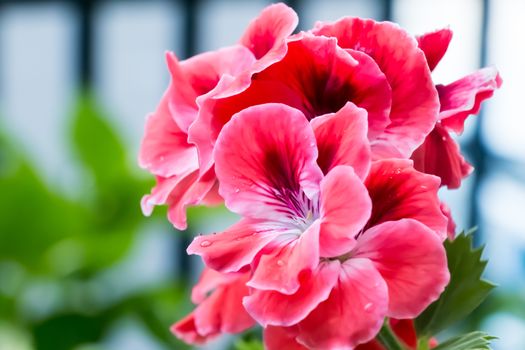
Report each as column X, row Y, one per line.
column 354, row 312
column 265, row 35
column 178, row 192
column 280, row 269
column 315, row 77
column 464, row 96
column 266, row 162
column 209, row 280
column 341, row 140
column 220, row 312
column 274, row 308
column 398, row 191
column 434, row 45
column 415, row 102
column 189, row 191
column 441, row 156
column 412, row 261
column 186, row 330
column 198, row 75
column 279, row 338
column 235, row 248
column 451, row 227
column 164, row 150
column 345, row 209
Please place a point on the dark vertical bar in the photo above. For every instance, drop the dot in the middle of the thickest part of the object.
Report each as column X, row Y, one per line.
column 85, row 42
column 190, row 8
column 387, row 12
column 477, row 146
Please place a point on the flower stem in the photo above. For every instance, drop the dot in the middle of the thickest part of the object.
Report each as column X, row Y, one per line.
column 387, row 338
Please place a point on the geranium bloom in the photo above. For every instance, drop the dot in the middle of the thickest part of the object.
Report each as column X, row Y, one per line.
column 335, row 242
column 352, row 60
column 440, row 155
column 219, row 299
column 276, row 338
column 165, row 150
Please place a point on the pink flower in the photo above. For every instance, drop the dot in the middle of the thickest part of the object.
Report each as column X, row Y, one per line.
column 352, row 60
column 165, row 150
column 440, row 155
column 276, row 338
column 335, row 242
column 219, row 299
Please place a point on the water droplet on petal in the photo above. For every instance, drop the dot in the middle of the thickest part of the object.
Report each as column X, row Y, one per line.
column 312, row 144
column 237, row 190
column 444, row 138
column 205, row 243
column 368, row 306
column 423, row 187
column 280, row 263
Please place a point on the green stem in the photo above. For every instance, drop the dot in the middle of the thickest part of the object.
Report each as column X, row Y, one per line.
column 388, row 338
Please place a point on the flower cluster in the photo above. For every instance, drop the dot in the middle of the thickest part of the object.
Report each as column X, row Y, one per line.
column 331, row 145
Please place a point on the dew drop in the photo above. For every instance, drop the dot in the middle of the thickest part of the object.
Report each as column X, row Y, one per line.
column 368, row 306
column 423, row 187
column 280, row 263
column 444, row 138
column 237, row 190
column 312, row 144
column 205, row 243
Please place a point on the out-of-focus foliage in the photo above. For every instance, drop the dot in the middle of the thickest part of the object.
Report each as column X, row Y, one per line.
column 55, row 248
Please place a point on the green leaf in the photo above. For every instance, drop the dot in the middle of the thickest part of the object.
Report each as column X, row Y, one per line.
column 251, row 344
column 96, row 144
column 465, row 291
column 470, row 341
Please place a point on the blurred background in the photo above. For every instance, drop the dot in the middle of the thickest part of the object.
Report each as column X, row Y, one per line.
column 82, row 269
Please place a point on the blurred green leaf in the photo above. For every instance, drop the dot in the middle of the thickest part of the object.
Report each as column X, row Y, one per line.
column 95, row 143
column 251, row 344
column 470, row 341
column 465, row 291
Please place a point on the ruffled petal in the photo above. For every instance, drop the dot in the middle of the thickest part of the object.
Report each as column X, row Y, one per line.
column 190, row 191
column 345, row 209
column 354, row 312
column 412, row 261
column 464, row 96
column 315, row 77
column 266, row 35
column 279, row 270
column 221, row 312
column 398, row 191
column 198, row 75
column 434, row 45
column 235, row 248
column 451, row 227
column 415, row 103
column 164, row 150
column 280, row 338
column 265, row 160
column 341, row 140
column 178, row 192
column 209, row 281
column 274, row 308
column 441, row 156
column 186, row 330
